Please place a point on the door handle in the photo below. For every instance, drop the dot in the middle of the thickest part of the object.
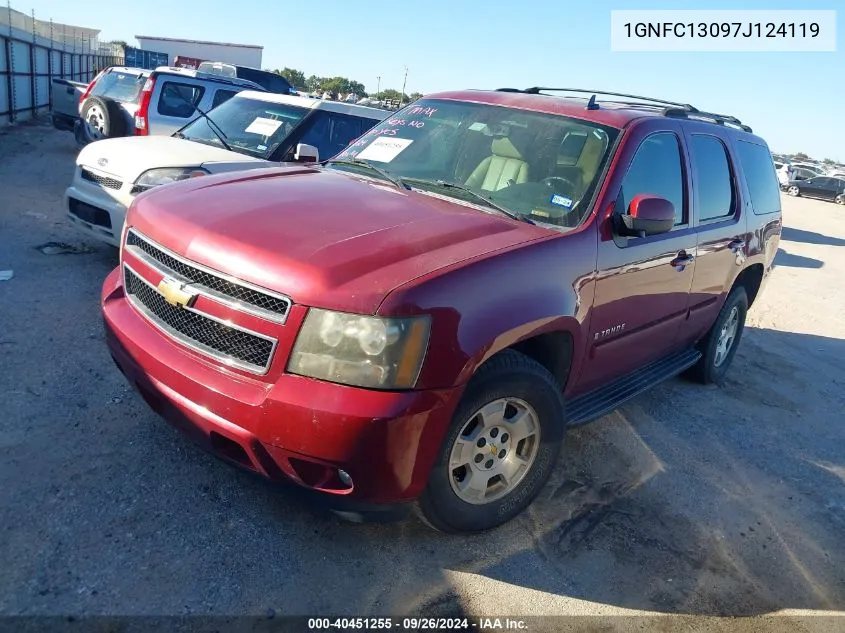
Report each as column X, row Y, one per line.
column 736, row 245
column 683, row 259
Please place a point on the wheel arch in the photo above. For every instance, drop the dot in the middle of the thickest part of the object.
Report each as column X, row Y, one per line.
column 553, row 344
column 750, row 278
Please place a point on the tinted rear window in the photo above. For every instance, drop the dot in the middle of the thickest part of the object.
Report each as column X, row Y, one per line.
column 759, row 170
column 713, row 182
column 268, row 81
column 125, row 87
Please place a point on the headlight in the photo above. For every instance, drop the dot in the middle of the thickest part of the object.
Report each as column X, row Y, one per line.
column 165, row 175
column 363, row 351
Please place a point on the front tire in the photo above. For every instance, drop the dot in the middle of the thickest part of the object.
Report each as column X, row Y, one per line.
column 502, row 445
column 794, row 191
column 840, row 199
column 720, row 343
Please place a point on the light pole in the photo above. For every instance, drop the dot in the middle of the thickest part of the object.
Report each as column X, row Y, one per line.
column 378, row 86
column 404, row 82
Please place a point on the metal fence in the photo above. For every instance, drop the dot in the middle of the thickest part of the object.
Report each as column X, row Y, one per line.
column 33, row 52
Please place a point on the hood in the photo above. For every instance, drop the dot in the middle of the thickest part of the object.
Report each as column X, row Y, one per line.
column 129, row 157
column 324, row 238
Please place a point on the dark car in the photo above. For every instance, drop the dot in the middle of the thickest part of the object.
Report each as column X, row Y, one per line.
column 424, row 315
column 270, row 81
column 822, row 187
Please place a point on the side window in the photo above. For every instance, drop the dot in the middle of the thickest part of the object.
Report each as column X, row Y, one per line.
column 760, row 176
column 331, row 132
column 317, row 134
column 345, row 129
column 714, row 194
column 656, row 170
column 178, row 99
column 222, row 96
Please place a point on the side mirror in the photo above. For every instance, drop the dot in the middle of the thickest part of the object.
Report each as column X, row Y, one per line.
column 306, row 153
column 647, row 215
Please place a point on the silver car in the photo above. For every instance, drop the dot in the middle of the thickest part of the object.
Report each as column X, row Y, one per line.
column 123, row 101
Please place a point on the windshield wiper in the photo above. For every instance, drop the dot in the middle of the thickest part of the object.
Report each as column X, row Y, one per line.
column 396, row 180
column 487, row 201
column 220, row 134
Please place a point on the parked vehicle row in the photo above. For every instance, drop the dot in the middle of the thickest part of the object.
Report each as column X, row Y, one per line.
column 133, row 101
column 248, row 130
column 821, row 187
column 422, row 317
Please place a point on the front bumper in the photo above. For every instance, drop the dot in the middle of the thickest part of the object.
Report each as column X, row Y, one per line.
column 98, row 211
column 291, row 428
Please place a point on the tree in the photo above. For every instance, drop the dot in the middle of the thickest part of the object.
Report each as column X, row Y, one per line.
column 800, row 156
column 342, row 85
column 295, row 77
column 313, row 83
column 829, row 161
column 393, row 95
column 416, row 95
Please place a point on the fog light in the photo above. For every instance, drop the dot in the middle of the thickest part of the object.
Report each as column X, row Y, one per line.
column 344, row 477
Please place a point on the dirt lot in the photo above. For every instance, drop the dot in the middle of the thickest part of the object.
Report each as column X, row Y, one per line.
column 725, row 501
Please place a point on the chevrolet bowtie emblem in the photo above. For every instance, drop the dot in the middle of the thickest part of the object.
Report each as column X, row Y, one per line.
column 175, row 293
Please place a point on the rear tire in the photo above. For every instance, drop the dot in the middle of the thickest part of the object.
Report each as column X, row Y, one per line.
column 720, row 343
column 102, row 118
column 505, row 438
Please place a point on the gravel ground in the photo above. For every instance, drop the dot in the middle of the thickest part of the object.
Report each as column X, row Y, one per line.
column 722, row 501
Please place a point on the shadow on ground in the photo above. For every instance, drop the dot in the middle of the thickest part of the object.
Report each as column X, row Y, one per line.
column 655, row 507
column 791, row 234
column 783, row 258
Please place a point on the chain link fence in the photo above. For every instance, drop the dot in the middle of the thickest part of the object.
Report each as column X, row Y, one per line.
column 34, row 52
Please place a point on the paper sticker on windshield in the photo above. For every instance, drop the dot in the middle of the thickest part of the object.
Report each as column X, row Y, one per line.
column 384, row 149
column 263, row 126
column 560, row 201
column 477, row 127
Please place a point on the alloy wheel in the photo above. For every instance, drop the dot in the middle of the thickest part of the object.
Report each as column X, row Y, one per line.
column 494, row 450
column 727, row 336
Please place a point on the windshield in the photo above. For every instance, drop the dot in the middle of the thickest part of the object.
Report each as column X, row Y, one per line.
column 124, row 87
column 542, row 167
column 250, row 126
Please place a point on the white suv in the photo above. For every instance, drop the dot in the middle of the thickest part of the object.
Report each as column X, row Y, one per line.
column 250, row 130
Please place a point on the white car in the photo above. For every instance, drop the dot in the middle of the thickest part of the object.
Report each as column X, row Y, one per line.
column 250, row 130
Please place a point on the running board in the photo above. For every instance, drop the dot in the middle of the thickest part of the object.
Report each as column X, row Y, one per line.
column 605, row 399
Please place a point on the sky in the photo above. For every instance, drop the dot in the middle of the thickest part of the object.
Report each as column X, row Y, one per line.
column 796, row 101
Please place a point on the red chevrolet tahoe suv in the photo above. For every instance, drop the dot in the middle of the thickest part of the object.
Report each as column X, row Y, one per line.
column 423, row 316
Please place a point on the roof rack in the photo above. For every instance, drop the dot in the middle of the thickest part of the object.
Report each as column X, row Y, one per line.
column 671, row 109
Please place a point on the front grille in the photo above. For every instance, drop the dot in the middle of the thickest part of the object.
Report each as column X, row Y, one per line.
column 89, row 213
column 275, row 307
column 229, row 344
column 103, row 181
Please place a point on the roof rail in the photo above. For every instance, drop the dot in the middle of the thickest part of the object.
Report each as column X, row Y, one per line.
column 673, row 109
column 536, row 90
column 720, row 119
